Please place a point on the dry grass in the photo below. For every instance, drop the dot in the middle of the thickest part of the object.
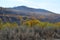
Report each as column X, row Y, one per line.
column 25, row 33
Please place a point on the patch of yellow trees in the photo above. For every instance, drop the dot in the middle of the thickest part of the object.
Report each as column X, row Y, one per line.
column 29, row 23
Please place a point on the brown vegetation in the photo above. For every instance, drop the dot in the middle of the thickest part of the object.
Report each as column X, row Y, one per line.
column 30, row 29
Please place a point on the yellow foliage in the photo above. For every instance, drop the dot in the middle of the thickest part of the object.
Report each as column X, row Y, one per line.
column 1, row 24
column 7, row 24
column 14, row 24
column 56, row 25
column 29, row 23
column 32, row 23
column 10, row 25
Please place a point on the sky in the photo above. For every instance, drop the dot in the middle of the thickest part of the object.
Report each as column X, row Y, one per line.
column 51, row 5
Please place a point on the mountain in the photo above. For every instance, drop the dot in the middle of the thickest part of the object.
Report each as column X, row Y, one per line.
column 40, row 14
column 27, row 9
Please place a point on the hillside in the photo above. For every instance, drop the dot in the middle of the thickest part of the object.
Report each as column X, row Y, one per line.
column 40, row 14
column 24, row 23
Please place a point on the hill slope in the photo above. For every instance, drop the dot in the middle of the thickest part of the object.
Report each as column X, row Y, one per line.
column 41, row 14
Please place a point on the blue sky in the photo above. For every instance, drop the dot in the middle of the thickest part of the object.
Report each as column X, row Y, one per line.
column 51, row 5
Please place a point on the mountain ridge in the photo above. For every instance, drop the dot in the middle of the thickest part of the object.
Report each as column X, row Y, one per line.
column 30, row 9
column 40, row 14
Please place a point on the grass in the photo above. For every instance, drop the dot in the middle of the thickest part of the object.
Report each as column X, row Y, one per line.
column 26, row 33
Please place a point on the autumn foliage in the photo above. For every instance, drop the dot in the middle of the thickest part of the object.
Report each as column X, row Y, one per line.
column 33, row 22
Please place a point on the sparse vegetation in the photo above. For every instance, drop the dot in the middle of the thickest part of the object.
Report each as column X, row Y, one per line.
column 30, row 29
